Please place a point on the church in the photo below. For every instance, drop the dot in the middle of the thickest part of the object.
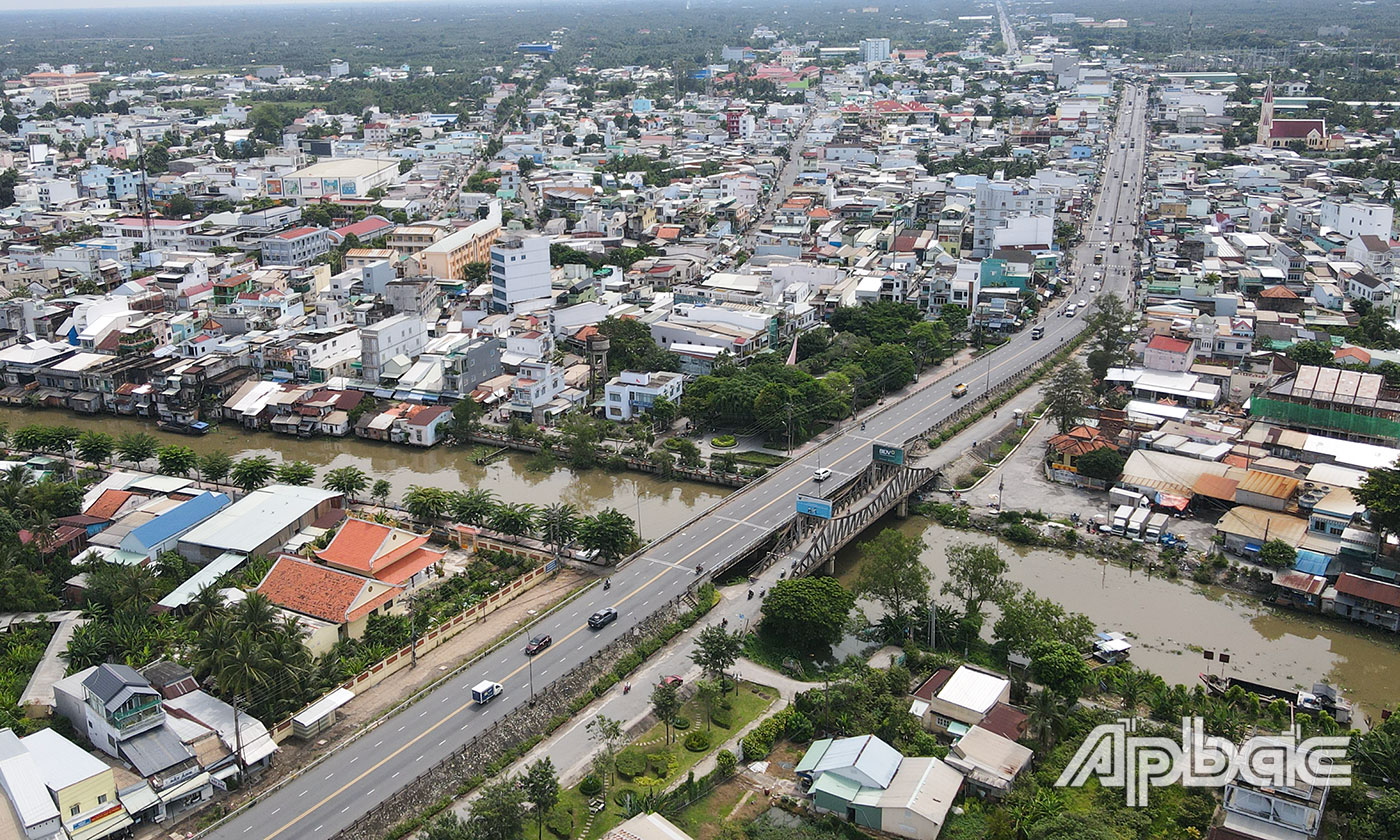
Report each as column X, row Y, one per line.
column 1274, row 133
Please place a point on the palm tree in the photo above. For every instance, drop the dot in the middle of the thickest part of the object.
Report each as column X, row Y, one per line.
column 256, row 614
column 426, row 504
column 137, row 448
column 557, row 524
column 95, row 447
column 514, row 520
column 1132, row 685
column 347, row 480
column 206, row 605
column 474, row 507
column 1049, row 715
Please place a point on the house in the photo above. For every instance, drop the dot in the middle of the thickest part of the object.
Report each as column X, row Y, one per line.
column 1245, row 529
column 1069, row 447
column 82, row 786
column 427, row 426
column 646, row 826
column 870, row 784
column 952, row 702
column 389, row 555
column 35, row 814
column 989, row 762
column 1164, row 352
column 331, row 605
column 1271, row 812
column 1369, row 601
column 259, row 523
column 632, row 393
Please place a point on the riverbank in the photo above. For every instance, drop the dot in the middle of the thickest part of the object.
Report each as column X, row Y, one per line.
column 1172, row 622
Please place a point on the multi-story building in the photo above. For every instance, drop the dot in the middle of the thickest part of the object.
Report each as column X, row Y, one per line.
column 632, row 393
column 997, row 202
column 1355, row 218
column 448, row 257
column 168, row 234
column 520, row 272
column 333, row 179
column 875, row 50
column 299, row 246
column 382, row 341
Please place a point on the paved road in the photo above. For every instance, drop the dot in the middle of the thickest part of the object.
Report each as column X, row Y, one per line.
column 353, row 780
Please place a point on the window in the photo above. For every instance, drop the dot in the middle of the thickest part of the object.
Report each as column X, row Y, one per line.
column 101, row 798
column 942, row 721
column 73, row 811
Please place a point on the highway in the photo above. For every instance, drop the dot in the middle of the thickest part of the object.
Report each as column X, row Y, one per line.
column 351, row 781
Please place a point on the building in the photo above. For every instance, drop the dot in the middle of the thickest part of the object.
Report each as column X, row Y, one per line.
column 259, row 523
column 400, row 335
column 989, row 762
column 870, row 784
column 330, row 605
column 875, row 50
column 1164, row 352
column 339, row 69
column 448, row 257
column 1369, row 601
column 520, row 274
column 333, row 179
column 632, row 393
column 999, row 202
column 82, row 786
column 298, row 246
column 35, row 813
column 389, row 555
column 1274, row 132
column 646, row 826
column 952, row 702
column 1274, row 812
column 1355, row 218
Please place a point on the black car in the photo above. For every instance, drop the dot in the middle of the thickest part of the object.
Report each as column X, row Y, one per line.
column 537, row 644
column 602, row 618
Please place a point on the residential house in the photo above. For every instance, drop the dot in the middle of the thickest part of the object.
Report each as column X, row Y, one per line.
column 632, row 393
column 330, row 605
column 389, row 555
column 867, row 782
column 952, row 702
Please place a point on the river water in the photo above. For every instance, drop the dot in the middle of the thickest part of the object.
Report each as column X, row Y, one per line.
column 660, row 506
column 1171, row 622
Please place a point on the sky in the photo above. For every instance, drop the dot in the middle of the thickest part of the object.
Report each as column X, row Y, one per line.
column 68, row 5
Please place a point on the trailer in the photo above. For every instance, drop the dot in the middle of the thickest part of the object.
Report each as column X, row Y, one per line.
column 1123, row 496
column 1156, row 525
column 1137, row 522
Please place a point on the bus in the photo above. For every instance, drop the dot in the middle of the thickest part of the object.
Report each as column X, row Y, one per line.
column 1098, row 258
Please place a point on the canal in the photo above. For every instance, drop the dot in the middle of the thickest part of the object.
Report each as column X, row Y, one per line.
column 660, row 506
column 1172, row 622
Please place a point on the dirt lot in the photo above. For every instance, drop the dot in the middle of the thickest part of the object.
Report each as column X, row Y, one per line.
column 373, row 703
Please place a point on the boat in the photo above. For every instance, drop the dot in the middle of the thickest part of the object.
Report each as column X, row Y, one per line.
column 198, row 427
column 1322, row 697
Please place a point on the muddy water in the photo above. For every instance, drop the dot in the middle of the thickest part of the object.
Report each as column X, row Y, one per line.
column 1172, row 622
column 663, row 505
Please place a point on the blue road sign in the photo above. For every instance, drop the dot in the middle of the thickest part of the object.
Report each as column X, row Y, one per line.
column 814, row 506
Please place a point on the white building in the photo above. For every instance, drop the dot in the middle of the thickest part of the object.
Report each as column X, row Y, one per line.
column 998, row 202
column 339, row 68
column 520, row 273
column 632, row 393
column 875, row 50
column 401, row 335
column 1353, row 218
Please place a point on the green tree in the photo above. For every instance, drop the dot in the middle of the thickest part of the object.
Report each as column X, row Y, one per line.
column 1067, row 393
column 662, row 413
column 708, row 694
column 295, row 473
column 929, row 340
column 580, row 436
column 137, row 448
column 1277, row 554
column 610, row 533
column 251, row 473
column 977, row 574
column 1380, row 493
column 498, row 812
column 1311, row 353
column 426, row 504
column 892, row 573
column 95, row 447
column 180, row 205
column 716, row 650
column 606, row 732
column 1104, row 464
column 1060, row 667
column 215, row 466
column 895, row 365
column 473, row 507
column 541, row 784
column 666, row 703
column 176, row 460
column 347, row 480
column 1048, row 717
column 557, row 524
column 1027, row 619
column 807, row 613
column 381, row 490
column 1111, row 324
column 466, row 417
column 514, row 520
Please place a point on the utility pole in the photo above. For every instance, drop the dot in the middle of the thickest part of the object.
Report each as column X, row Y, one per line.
column 238, row 736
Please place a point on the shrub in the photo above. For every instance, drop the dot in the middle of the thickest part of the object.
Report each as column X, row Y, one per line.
column 628, row 662
column 560, row 822
column 725, row 762
column 631, row 762
column 623, row 794
column 661, row 763
column 591, row 785
column 759, row 742
column 723, row 441
column 722, row 718
column 799, row 728
column 697, row 741
column 1021, row 533
column 980, row 470
column 1202, row 574
column 680, row 722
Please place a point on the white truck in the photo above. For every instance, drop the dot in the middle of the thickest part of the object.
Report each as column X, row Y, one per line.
column 483, row 691
column 1121, row 515
column 1123, row 496
column 1156, row 524
column 1137, row 522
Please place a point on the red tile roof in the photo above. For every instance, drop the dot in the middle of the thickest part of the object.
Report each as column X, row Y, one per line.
column 1080, row 440
column 391, row 555
column 1279, row 293
column 1168, row 344
column 108, row 504
column 318, row 591
column 1371, row 590
column 1296, row 129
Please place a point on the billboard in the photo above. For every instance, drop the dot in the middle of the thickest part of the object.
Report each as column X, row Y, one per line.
column 274, row 186
column 814, row 506
column 883, row 454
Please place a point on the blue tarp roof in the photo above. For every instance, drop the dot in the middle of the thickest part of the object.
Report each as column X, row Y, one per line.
column 175, row 521
column 1312, row 563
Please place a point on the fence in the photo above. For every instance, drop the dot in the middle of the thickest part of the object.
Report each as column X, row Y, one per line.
column 403, row 657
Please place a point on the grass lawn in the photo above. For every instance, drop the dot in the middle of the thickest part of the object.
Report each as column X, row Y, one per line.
column 702, row 819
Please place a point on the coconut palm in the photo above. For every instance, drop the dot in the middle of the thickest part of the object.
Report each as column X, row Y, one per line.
column 347, row 480
column 557, row 524
column 1049, row 715
column 474, row 507
column 206, row 606
column 514, row 520
column 95, row 447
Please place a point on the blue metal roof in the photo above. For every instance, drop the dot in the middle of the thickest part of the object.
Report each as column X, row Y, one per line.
column 1312, row 563
column 175, row 521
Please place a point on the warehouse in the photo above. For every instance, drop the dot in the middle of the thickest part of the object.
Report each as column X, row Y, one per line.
column 333, row 179
column 259, row 523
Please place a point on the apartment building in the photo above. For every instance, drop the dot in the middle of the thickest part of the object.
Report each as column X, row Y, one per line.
column 633, row 393
column 448, row 257
column 382, row 341
column 299, row 246
column 519, row 272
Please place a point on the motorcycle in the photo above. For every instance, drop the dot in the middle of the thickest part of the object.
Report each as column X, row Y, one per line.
column 607, row 584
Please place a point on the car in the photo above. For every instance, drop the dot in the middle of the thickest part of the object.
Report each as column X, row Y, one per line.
column 822, row 474
column 960, row 390
column 1093, row 288
column 602, row 618
column 538, row 644
column 673, row 680
column 1081, row 303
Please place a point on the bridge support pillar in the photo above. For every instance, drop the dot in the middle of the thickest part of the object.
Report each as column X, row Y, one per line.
column 829, row 567
column 901, row 510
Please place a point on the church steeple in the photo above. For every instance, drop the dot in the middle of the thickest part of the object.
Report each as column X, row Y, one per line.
column 1266, row 115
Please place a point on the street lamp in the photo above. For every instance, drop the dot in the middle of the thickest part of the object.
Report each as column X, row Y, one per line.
column 529, row 659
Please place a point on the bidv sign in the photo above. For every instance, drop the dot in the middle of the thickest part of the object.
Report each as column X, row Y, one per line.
column 1118, row 757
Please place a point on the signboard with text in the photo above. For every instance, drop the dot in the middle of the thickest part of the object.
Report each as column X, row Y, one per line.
column 883, row 454
column 814, row 506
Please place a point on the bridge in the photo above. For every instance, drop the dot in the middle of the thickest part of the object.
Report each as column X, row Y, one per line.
column 353, row 780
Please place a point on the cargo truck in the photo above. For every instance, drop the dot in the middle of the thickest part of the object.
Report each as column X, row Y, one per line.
column 483, row 691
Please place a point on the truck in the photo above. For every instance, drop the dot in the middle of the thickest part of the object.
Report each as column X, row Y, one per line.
column 1156, row 524
column 1137, row 522
column 483, row 691
column 1121, row 515
column 1123, row 496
